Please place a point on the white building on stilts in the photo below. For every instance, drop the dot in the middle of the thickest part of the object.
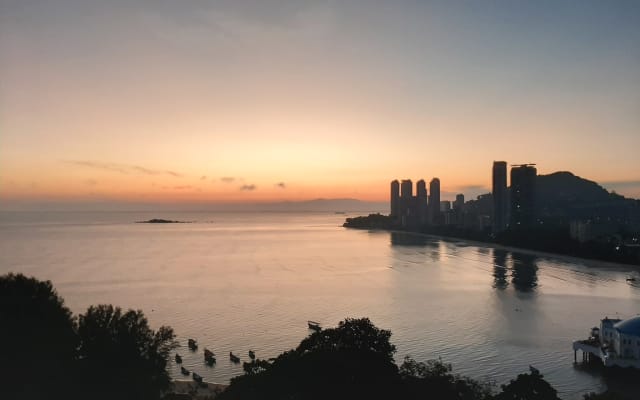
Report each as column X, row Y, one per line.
column 616, row 342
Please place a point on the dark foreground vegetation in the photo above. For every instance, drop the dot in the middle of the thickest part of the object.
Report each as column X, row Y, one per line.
column 110, row 354
column 48, row 353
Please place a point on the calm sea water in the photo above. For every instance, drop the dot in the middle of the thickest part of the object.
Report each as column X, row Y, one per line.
column 248, row 281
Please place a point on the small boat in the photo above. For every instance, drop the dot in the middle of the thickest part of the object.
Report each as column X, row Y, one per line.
column 235, row 359
column 184, row 371
column 313, row 325
column 252, row 355
column 193, row 345
column 178, row 359
column 209, row 357
column 197, row 378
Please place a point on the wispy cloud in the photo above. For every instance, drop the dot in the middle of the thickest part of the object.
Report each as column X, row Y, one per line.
column 179, row 187
column 248, row 188
column 122, row 168
column 281, row 185
column 203, row 177
column 228, row 179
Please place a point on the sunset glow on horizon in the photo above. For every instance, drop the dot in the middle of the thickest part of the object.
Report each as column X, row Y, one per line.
column 258, row 101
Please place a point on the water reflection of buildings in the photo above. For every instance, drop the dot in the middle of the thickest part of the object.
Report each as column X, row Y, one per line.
column 500, row 269
column 410, row 239
column 524, row 270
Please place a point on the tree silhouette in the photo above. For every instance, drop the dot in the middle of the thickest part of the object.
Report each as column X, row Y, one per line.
column 121, row 355
column 434, row 379
column 39, row 340
column 354, row 360
column 528, row 387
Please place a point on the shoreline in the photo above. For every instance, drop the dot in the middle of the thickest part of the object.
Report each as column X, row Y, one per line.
column 590, row 262
column 180, row 389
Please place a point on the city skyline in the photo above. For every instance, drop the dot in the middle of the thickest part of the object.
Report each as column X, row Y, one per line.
column 290, row 101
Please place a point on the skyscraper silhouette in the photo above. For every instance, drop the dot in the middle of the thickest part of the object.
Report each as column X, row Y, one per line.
column 395, row 198
column 406, row 201
column 421, row 201
column 499, row 191
column 523, row 196
column 434, row 201
column 459, row 203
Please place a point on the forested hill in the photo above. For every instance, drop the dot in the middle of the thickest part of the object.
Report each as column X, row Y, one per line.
column 565, row 195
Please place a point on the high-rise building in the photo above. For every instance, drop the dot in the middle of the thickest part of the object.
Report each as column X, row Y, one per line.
column 499, row 192
column 523, row 196
column 459, row 202
column 406, row 202
column 421, row 189
column 445, row 206
column 406, row 188
column 434, row 201
column 395, row 198
column 421, row 201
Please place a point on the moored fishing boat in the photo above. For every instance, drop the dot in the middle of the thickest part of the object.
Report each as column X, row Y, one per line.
column 313, row 325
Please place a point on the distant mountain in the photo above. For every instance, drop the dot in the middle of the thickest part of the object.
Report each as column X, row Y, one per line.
column 567, row 196
column 335, row 205
column 315, row 205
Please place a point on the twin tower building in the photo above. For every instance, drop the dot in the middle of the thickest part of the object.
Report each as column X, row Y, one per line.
column 418, row 210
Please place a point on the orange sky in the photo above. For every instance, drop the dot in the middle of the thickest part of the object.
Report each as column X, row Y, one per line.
column 302, row 100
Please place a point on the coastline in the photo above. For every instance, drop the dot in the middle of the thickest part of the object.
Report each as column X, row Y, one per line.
column 590, row 262
column 189, row 389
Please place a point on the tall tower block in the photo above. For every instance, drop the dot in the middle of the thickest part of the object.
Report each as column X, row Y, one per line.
column 499, row 192
column 434, row 201
column 395, row 199
column 421, row 201
column 523, row 196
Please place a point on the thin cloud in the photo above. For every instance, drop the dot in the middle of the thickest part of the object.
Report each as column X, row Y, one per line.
column 126, row 169
column 228, row 179
column 281, row 185
column 203, row 177
column 248, row 188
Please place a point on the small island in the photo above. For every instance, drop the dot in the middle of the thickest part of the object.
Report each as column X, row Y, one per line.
column 160, row 221
column 372, row 221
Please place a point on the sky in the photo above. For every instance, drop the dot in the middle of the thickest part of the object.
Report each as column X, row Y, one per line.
column 257, row 101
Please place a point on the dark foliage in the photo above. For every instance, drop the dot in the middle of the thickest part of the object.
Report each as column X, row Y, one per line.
column 47, row 355
column 528, row 387
column 122, row 355
column 39, row 339
column 354, row 360
column 434, row 379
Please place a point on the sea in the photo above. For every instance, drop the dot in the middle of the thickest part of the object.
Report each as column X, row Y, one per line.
column 250, row 281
